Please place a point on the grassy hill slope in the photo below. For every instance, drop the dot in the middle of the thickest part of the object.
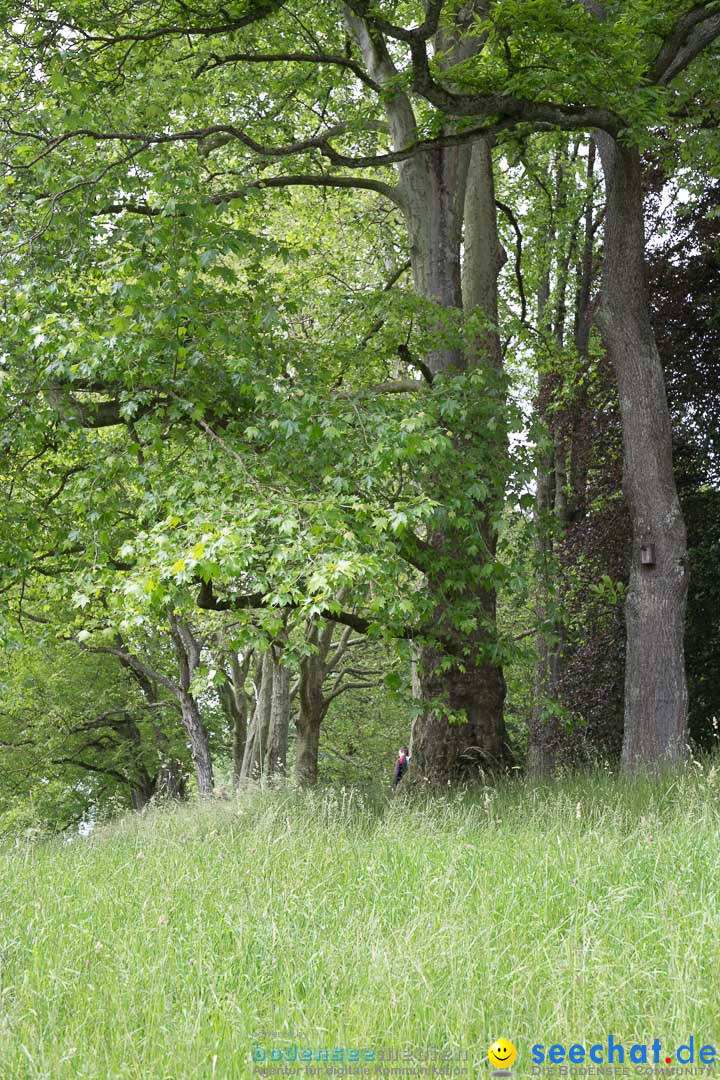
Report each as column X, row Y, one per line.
column 159, row 946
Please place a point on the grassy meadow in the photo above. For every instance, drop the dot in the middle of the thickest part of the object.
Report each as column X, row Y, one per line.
column 158, row 946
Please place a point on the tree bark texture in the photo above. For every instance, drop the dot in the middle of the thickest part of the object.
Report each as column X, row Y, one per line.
column 310, row 717
column 655, row 687
column 265, row 756
column 187, row 650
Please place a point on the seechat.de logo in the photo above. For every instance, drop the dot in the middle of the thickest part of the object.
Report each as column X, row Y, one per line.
column 615, row 1053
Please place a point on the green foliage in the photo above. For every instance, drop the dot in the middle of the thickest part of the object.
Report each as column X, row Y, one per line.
column 210, row 378
column 76, row 736
column 361, row 734
column 608, row 591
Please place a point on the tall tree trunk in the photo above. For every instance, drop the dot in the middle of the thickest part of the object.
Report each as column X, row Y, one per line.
column 241, row 704
column 266, row 747
column 483, row 260
column 187, row 650
column 171, row 779
column 326, row 657
column 442, row 190
column 475, row 688
column 307, row 751
column 433, row 186
column 267, row 739
column 655, row 687
column 432, row 189
column 310, row 718
column 257, row 736
column 277, row 741
column 143, row 788
column 142, row 784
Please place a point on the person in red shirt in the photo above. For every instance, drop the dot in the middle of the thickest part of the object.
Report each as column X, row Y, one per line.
column 401, row 765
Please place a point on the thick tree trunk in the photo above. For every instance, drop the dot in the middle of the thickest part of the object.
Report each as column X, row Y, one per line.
column 277, row 743
column 142, row 792
column 445, row 751
column 142, row 784
column 445, row 748
column 307, row 751
column 309, row 720
column 170, row 780
column 327, row 657
column 432, row 189
column 239, row 740
column 267, row 740
column 655, row 687
column 483, row 259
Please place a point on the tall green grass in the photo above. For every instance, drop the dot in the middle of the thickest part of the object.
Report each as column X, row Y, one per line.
column 157, row 947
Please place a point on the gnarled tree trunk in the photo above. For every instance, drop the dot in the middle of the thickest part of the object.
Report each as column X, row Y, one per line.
column 199, row 744
column 257, row 734
column 325, row 660
column 170, row 781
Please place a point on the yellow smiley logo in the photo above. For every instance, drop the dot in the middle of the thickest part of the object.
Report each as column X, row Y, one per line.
column 502, row 1053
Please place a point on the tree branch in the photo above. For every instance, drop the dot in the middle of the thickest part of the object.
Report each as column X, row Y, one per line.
column 392, row 386
column 390, row 191
column 259, row 10
column 132, row 661
column 290, row 58
column 518, row 256
column 340, row 649
column 348, row 686
column 319, row 180
column 510, row 110
column 91, row 768
column 692, row 33
column 207, row 601
column 423, row 32
column 379, row 64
